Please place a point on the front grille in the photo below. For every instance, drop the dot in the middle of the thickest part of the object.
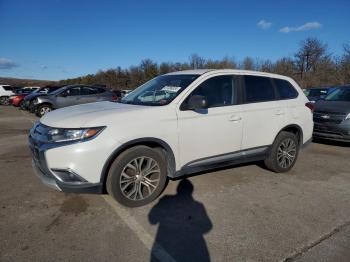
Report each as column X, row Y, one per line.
column 39, row 158
column 329, row 117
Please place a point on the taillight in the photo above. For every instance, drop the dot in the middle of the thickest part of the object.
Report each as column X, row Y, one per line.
column 114, row 98
column 311, row 106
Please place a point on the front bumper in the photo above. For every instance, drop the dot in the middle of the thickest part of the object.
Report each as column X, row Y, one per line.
column 337, row 132
column 51, row 178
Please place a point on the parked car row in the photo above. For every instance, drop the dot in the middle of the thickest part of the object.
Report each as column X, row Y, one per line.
column 8, row 93
column 45, row 99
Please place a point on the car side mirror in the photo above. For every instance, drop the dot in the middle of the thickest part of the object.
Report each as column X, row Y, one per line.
column 197, row 102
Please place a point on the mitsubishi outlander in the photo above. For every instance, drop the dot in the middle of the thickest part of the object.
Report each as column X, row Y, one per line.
column 175, row 124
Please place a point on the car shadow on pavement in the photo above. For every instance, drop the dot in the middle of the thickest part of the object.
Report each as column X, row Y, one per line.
column 183, row 221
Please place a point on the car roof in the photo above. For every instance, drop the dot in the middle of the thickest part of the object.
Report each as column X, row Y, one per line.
column 228, row 71
column 191, row 72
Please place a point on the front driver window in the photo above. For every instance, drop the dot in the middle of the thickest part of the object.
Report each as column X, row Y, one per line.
column 219, row 91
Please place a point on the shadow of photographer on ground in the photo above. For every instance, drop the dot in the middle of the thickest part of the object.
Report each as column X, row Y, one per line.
column 182, row 223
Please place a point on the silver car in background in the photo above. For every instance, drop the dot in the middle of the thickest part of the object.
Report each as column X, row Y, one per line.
column 71, row 95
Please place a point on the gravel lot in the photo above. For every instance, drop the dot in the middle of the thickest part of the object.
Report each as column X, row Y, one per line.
column 244, row 213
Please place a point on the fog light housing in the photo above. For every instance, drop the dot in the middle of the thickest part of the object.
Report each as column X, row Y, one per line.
column 67, row 176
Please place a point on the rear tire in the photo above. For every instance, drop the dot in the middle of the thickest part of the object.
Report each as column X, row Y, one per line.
column 43, row 109
column 137, row 176
column 284, row 153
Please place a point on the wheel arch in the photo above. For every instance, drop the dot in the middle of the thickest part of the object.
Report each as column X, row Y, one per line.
column 44, row 103
column 146, row 141
column 295, row 129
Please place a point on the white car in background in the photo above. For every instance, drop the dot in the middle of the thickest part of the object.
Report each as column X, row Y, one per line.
column 5, row 92
column 212, row 118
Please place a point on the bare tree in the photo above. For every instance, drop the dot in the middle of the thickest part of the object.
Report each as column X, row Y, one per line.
column 248, row 63
column 310, row 53
column 196, row 62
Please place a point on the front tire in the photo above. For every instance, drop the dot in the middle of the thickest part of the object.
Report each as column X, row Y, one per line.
column 284, row 153
column 43, row 109
column 137, row 176
column 4, row 100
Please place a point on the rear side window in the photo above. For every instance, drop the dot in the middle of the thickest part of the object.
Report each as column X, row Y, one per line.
column 285, row 89
column 8, row 88
column 90, row 90
column 218, row 90
column 258, row 89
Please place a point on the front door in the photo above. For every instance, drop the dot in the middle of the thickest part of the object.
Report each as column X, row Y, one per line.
column 211, row 133
column 68, row 97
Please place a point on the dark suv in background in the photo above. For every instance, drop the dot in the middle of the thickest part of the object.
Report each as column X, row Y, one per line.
column 332, row 115
column 71, row 95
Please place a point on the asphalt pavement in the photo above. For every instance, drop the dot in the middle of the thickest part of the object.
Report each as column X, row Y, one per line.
column 243, row 213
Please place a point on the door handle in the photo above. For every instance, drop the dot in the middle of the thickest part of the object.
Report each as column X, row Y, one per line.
column 234, row 118
column 279, row 112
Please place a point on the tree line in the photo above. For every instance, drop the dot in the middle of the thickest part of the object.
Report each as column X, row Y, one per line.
column 312, row 65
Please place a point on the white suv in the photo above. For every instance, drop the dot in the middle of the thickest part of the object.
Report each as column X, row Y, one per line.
column 203, row 119
column 5, row 92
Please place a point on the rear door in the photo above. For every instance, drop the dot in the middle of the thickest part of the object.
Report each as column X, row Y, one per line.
column 91, row 94
column 262, row 114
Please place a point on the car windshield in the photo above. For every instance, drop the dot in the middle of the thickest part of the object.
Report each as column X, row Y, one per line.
column 52, row 89
column 159, row 91
column 340, row 94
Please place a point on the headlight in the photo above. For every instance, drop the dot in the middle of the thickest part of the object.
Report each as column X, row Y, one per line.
column 347, row 117
column 62, row 134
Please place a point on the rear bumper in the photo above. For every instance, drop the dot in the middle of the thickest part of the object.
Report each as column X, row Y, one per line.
column 16, row 102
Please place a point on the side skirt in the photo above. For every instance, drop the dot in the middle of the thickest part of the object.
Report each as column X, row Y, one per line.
column 229, row 159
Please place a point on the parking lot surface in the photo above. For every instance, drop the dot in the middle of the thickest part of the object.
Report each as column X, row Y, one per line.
column 243, row 213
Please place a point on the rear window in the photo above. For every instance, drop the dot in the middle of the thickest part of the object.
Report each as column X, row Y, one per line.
column 285, row 89
column 258, row 89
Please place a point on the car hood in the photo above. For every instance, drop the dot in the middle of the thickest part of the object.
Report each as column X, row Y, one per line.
column 333, row 106
column 88, row 115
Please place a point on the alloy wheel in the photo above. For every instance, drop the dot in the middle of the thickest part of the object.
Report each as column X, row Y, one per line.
column 286, row 153
column 44, row 110
column 139, row 178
